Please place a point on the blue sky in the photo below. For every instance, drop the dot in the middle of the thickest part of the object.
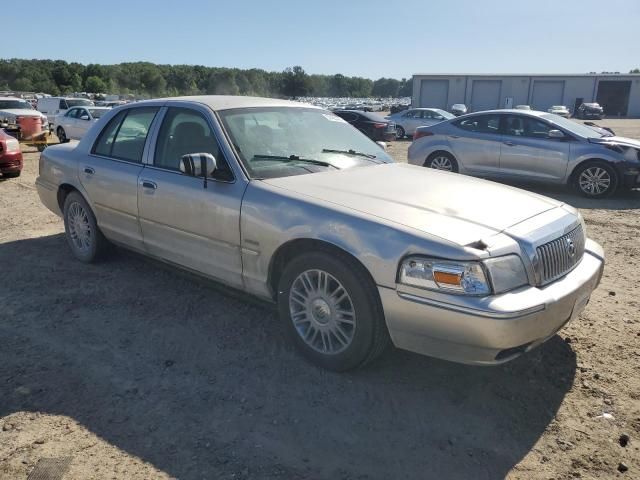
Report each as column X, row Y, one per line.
column 370, row 38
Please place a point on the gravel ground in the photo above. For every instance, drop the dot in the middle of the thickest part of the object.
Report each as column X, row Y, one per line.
column 136, row 371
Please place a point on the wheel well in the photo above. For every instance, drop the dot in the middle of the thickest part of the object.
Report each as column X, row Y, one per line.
column 293, row 248
column 572, row 177
column 64, row 190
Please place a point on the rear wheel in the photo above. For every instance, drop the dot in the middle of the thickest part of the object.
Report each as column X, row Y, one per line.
column 331, row 311
column 62, row 136
column 400, row 133
column 442, row 161
column 83, row 235
column 595, row 179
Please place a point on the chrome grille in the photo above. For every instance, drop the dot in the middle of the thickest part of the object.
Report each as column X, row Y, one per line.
column 558, row 257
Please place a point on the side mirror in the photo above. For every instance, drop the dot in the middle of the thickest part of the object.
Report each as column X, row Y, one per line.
column 555, row 134
column 194, row 164
column 382, row 145
column 84, row 117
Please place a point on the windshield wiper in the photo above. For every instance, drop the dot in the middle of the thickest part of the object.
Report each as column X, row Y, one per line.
column 295, row 158
column 349, row 152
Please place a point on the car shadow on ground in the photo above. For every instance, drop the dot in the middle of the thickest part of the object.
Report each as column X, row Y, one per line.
column 202, row 384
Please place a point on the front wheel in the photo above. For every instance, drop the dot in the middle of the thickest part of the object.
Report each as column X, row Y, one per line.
column 62, row 136
column 442, row 161
column 85, row 239
column 400, row 133
column 596, row 179
column 331, row 310
column 11, row 175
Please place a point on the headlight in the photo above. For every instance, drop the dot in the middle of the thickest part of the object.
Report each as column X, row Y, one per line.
column 13, row 145
column 495, row 275
column 467, row 278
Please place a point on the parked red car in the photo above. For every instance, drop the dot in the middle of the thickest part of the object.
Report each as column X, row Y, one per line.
column 10, row 156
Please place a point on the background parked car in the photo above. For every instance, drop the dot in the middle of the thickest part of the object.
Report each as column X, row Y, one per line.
column 10, row 156
column 560, row 110
column 458, row 109
column 407, row 122
column 538, row 146
column 18, row 118
column 374, row 126
column 52, row 106
column 590, row 110
column 76, row 121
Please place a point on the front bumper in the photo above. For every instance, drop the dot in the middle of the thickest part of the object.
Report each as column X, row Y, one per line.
column 11, row 162
column 490, row 330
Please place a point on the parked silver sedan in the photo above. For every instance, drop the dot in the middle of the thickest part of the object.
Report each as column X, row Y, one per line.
column 530, row 145
column 408, row 120
column 290, row 203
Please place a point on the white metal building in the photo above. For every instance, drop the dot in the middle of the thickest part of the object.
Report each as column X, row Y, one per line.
column 618, row 94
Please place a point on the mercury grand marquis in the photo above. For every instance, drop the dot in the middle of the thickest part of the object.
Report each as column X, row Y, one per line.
column 288, row 202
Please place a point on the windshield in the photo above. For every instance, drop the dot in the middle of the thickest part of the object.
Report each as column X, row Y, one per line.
column 14, row 105
column 446, row 115
column 281, row 141
column 78, row 102
column 573, row 127
column 98, row 112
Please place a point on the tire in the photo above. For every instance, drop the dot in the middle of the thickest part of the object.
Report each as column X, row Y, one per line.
column 62, row 136
column 595, row 179
column 85, row 239
column 313, row 286
column 400, row 133
column 442, row 161
column 11, row 175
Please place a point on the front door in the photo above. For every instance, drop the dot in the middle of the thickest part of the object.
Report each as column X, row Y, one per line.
column 181, row 220
column 110, row 173
column 528, row 152
column 475, row 142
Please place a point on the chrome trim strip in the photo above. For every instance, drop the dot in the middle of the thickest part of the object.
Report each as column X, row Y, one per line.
column 471, row 311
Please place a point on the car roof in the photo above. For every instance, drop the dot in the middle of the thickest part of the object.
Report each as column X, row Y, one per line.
column 227, row 102
column 13, row 98
column 533, row 113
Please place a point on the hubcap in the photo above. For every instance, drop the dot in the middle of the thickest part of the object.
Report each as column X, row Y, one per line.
column 322, row 312
column 594, row 181
column 442, row 163
column 79, row 227
column 399, row 132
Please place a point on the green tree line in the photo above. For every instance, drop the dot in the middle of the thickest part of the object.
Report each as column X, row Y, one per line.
column 59, row 77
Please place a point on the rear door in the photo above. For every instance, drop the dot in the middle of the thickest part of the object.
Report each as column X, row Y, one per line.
column 110, row 173
column 183, row 221
column 528, row 152
column 476, row 142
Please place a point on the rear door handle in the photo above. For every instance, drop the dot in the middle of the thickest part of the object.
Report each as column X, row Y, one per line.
column 89, row 170
column 510, row 144
column 148, row 184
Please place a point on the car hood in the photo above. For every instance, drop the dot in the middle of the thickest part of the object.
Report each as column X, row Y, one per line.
column 23, row 112
column 455, row 207
column 627, row 142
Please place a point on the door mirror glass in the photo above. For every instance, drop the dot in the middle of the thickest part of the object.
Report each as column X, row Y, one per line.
column 84, row 117
column 555, row 134
column 193, row 164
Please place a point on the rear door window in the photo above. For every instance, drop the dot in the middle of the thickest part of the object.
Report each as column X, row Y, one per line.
column 125, row 135
column 480, row 124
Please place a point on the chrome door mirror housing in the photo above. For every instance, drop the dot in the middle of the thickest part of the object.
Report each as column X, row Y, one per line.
column 194, row 164
column 84, row 117
column 382, row 145
column 555, row 134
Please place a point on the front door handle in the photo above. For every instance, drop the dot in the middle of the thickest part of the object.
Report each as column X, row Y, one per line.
column 454, row 136
column 510, row 144
column 89, row 170
column 148, row 184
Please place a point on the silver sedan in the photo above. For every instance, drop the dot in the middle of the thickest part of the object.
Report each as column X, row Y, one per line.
column 531, row 146
column 290, row 203
column 408, row 120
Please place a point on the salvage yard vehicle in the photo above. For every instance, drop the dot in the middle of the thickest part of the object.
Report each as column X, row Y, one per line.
column 76, row 122
column 18, row 118
column 407, row 121
column 10, row 156
column 560, row 110
column 288, row 202
column 458, row 109
column 590, row 110
column 374, row 126
column 531, row 146
column 52, row 106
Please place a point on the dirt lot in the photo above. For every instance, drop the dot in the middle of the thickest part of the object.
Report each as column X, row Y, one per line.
column 134, row 371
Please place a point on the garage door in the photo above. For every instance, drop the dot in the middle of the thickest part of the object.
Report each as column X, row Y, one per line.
column 546, row 93
column 434, row 93
column 485, row 95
